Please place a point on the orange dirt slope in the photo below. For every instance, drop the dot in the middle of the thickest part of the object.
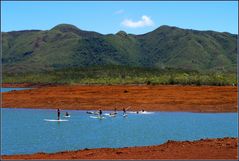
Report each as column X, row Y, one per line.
column 138, row 97
column 225, row 148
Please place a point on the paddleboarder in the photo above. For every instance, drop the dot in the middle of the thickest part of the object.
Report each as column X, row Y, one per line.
column 124, row 111
column 113, row 113
column 100, row 112
column 58, row 114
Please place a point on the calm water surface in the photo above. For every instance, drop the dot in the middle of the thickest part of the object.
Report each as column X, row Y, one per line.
column 25, row 131
column 11, row 89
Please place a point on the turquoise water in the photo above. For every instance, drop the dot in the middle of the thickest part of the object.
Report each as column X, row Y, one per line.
column 24, row 131
column 11, row 89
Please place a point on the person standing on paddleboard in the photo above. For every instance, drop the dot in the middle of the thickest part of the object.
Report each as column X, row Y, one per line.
column 58, row 114
column 124, row 111
column 100, row 112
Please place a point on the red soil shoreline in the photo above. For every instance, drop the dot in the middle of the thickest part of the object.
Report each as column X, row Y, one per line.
column 138, row 97
column 221, row 148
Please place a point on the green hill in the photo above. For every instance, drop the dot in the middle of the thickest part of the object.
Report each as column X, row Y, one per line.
column 66, row 46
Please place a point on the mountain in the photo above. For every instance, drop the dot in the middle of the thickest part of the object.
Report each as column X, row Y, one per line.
column 66, row 46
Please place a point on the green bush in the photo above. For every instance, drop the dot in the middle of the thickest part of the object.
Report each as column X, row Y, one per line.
column 123, row 75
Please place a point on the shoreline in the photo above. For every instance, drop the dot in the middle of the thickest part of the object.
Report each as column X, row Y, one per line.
column 37, row 85
column 165, row 98
column 219, row 148
column 93, row 110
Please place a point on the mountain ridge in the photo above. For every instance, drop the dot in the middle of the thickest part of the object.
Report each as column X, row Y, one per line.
column 67, row 25
column 66, row 46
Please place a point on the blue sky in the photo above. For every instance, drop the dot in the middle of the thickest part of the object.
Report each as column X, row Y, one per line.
column 110, row 17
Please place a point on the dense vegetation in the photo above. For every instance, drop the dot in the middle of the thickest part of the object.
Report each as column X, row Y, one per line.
column 124, row 75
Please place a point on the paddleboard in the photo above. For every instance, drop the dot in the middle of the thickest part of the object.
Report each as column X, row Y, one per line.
column 132, row 112
column 125, row 115
column 97, row 117
column 52, row 120
column 67, row 116
column 106, row 114
column 145, row 112
column 141, row 112
column 93, row 113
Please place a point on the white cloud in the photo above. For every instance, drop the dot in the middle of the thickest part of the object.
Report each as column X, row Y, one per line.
column 119, row 12
column 145, row 21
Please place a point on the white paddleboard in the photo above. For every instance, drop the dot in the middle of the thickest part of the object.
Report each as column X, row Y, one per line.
column 132, row 112
column 97, row 117
column 67, row 116
column 52, row 120
column 93, row 113
column 141, row 112
column 145, row 112
column 125, row 115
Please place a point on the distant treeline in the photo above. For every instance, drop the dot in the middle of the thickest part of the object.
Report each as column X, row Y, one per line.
column 124, row 75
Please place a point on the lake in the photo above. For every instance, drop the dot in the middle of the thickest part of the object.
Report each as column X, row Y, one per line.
column 11, row 89
column 24, row 131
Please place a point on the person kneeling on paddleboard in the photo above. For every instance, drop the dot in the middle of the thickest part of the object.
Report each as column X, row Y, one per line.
column 67, row 114
column 113, row 113
column 58, row 114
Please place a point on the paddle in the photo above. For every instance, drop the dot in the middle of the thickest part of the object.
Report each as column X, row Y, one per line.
column 127, row 108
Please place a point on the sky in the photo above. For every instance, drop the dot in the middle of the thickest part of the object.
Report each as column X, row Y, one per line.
column 111, row 17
